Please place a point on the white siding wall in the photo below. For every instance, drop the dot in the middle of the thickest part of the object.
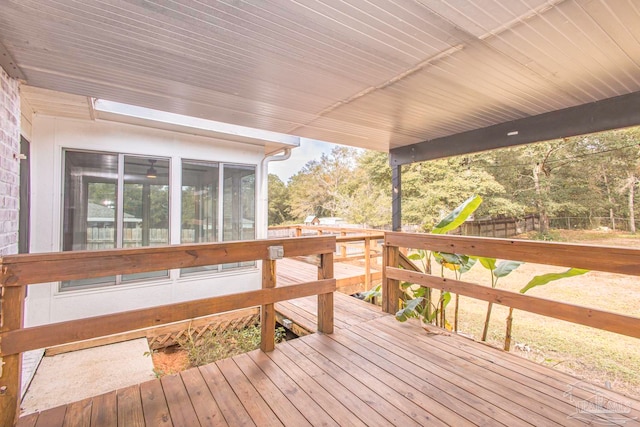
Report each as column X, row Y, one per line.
column 49, row 136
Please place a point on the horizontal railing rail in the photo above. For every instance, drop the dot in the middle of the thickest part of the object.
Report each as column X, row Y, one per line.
column 19, row 271
column 597, row 258
column 360, row 246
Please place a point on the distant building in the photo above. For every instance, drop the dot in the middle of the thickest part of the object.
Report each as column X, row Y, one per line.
column 311, row 220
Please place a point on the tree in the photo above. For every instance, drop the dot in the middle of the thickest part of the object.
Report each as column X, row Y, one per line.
column 279, row 204
column 324, row 187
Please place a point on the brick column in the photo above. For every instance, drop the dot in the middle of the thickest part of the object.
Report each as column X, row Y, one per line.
column 12, row 301
column 9, row 163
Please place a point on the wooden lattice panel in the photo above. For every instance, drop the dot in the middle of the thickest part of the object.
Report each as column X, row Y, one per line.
column 172, row 334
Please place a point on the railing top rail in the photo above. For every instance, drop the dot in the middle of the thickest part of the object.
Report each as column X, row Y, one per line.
column 334, row 228
column 26, row 269
column 358, row 237
column 610, row 259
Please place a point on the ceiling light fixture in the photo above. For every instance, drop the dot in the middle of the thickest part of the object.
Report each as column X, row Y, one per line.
column 151, row 172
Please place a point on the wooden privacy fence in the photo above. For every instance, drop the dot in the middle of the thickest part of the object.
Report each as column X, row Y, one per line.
column 19, row 271
column 598, row 258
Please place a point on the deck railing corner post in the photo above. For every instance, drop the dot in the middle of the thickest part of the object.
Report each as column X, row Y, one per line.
column 390, row 287
column 325, row 301
column 11, row 318
column 267, row 311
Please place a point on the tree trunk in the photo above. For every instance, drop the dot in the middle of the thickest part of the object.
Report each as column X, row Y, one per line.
column 542, row 211
column 612, row 217
column 632, row 193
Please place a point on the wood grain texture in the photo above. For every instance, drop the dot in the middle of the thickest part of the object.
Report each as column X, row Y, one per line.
column 130, row 412
column 267, row 311
column 20, row 340
column 180, row 407
column 390, row 287
column 154, row 404
column 325, row 300
column 28, row 269
column 78, row 414
column 600, row 319
column 207, row 410
column 11, row 318
column 601, row 258
column 359, row 376
column 104, row 411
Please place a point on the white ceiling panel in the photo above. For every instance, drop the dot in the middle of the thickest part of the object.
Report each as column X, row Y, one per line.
column 377, row 74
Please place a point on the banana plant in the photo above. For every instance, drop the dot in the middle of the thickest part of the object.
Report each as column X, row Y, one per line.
column 459, row 264
column 498, row 270
column 418, row 300
column 539, row 280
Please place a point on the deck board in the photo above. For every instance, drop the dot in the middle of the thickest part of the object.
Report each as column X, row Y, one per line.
column 372, row 371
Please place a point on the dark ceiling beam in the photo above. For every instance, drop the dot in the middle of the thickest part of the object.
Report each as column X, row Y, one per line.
column 612, row 113
column 9, row 65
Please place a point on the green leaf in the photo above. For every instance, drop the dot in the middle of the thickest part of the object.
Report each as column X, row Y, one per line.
column 372, row 293
column 468, row 263
column 446, row 299
column 415, row 257
column 488, row 263
column 410, row 310
column 505, row 267
column 543, row 279
column 458, row 216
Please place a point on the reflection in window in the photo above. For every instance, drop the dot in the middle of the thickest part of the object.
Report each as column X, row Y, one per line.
column 204, row 219
column 239, row 206
column 96, row 216
column 199, row 216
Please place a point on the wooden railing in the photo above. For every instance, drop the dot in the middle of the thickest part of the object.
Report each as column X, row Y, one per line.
column 353, row 245
column 605, row 259
column 19, row 271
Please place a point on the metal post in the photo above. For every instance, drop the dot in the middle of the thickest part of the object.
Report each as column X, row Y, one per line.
column 396, row 197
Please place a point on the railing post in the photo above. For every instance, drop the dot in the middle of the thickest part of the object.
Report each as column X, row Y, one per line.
column 298, row 231
column 325, row 301
column 343, row 246
column 390, row 288
column 11, row 313
column 267, row 312
column 367, row 262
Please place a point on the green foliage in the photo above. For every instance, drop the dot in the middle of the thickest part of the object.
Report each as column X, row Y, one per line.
column 458, row 215
column 587, row 176
column 372, row 293
column 279, row 203
column 417, row 299
column 543, row 279
column 213, row 345
column 505, row 267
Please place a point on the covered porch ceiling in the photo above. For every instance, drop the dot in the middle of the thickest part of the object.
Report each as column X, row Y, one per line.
column 419, row 78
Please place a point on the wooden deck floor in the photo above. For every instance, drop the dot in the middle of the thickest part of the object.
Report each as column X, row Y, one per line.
column 372, row 371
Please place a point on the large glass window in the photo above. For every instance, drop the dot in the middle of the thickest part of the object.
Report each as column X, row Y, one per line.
column 239, row 206
column 199, row 206
column 114, row 201
column 204, row 219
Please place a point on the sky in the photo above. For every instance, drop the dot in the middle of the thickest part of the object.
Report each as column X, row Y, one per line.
column 309, row 149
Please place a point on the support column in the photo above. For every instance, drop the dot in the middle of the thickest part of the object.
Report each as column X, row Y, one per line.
column 11, row 299
column 396, row 197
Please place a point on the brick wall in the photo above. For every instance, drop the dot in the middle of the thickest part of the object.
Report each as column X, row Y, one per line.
column 9, row 165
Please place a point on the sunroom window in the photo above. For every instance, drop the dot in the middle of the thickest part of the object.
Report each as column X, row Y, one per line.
column 114, row 201
column 205, row 219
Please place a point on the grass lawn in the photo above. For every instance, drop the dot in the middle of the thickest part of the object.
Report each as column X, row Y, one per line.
column 601, row 357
